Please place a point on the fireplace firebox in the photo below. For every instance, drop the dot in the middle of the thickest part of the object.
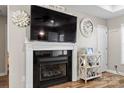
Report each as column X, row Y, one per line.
column 51, row 67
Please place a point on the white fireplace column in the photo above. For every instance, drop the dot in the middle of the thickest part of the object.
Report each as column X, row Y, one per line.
column 31, row 46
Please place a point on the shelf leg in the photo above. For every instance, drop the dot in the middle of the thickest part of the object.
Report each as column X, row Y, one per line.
column 85, row 81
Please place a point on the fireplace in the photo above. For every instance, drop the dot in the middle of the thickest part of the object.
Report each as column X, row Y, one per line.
column 31, row 47
column 51, row 67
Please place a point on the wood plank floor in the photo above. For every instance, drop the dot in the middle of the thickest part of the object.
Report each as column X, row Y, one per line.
column 4, row 81
column 108, row 80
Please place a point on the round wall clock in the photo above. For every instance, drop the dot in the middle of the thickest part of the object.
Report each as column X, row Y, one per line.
column 86, row 27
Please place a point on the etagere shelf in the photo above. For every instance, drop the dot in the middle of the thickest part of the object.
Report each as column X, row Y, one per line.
column 89, row 65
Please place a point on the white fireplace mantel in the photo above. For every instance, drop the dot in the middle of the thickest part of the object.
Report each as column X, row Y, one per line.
column 35, row 45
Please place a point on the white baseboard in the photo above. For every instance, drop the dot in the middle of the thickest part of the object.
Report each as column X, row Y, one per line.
column 114, row 72
column 3, row 74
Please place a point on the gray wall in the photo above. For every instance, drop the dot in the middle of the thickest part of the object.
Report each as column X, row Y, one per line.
column 17, row 37
column 114, row 26
column 2, row 44
column 16, row 50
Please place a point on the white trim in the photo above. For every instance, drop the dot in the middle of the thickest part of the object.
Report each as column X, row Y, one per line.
column 3, row 74
column 6, row 51
column 114, row 72
column 122, row 43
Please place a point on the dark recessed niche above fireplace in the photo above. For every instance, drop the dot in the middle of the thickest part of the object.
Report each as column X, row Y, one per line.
column 52, row 26
column 51, row 67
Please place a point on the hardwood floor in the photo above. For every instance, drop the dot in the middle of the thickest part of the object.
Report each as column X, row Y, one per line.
column 108, row 80
column 4, row 81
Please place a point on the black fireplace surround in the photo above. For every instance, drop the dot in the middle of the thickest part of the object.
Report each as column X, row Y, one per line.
column 51, row 67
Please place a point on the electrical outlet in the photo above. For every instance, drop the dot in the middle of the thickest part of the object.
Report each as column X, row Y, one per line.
column 115, row 66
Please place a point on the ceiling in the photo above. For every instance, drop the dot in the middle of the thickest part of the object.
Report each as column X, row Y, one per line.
column 112, row 8
column 103, row 11
column 3, row 10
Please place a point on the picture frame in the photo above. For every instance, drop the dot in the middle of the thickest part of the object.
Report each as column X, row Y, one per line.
column 89, row 51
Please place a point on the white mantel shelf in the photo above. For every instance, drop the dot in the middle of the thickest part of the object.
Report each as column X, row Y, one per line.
column 50, row 45
column 37, row 45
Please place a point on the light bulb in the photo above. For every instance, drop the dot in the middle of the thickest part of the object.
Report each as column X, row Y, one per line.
column 52, row 21
column 41, row 33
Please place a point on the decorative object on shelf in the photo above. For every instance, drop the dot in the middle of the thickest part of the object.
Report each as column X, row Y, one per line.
column 86, row 27
column 86, row 51
column 83, row 50
column 90, row 60
column 89, row 74
column 89, row 51
column 97, row 63
column 56, row 7
column 21, row 18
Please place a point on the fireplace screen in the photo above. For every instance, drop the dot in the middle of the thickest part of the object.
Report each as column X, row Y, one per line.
column 53, row 71
column 52, row 67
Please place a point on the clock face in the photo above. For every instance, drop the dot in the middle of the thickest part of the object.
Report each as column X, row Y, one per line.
column 86, row 27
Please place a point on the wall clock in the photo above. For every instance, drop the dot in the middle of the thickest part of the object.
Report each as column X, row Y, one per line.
column 86, row 27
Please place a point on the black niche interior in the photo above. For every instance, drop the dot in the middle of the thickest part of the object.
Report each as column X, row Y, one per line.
column 51, row 67
column 52, row 26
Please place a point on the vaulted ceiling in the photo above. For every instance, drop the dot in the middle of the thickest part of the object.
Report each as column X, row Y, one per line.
column 103, row 11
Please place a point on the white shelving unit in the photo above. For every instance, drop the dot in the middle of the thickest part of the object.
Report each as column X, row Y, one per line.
column 89, row 66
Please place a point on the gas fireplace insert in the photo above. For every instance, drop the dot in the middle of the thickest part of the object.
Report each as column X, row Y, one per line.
column 51, row 67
